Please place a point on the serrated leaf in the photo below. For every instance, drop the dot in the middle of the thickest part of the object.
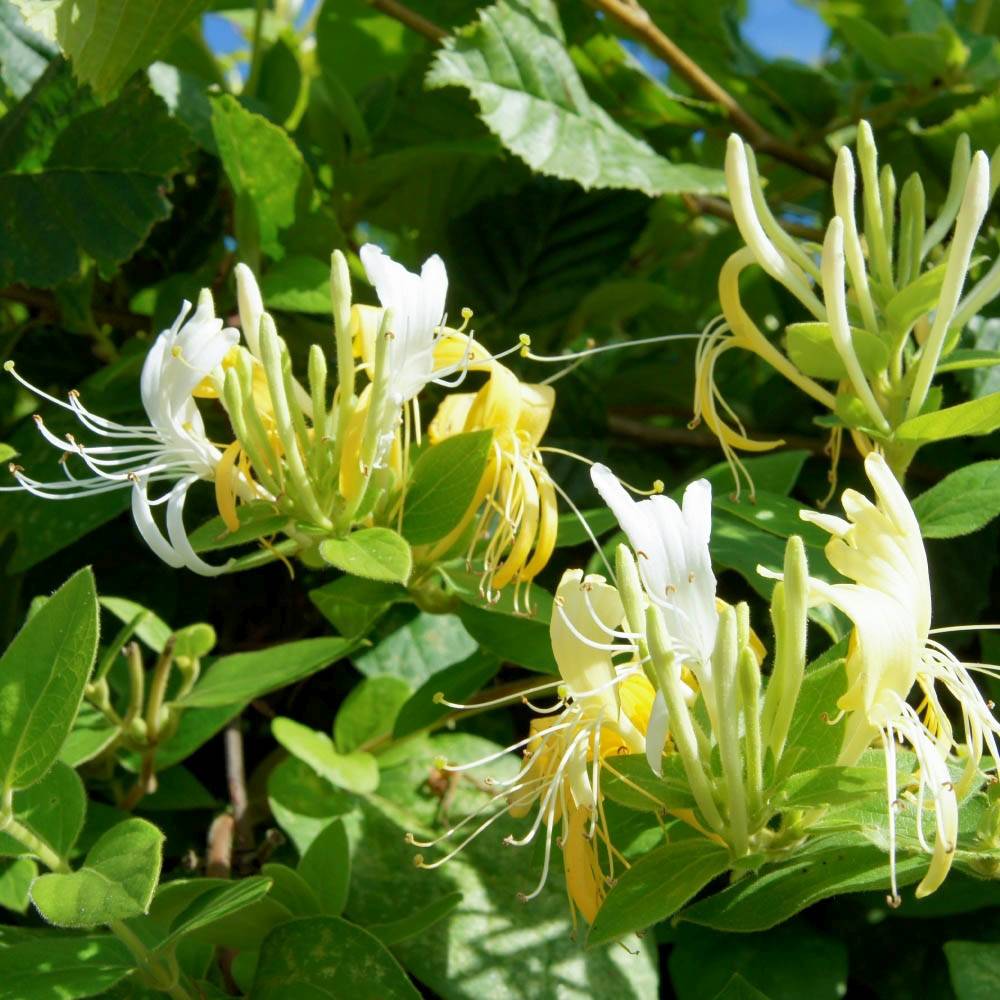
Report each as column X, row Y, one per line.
column 327, row 957
column 117, row 879
column 88, row 197
column 656, row 887
column 443, row 484
column 372, row 553
column 42, row 676
column 53, row 809
column 241, row 677
column 961, row 503
column 514, row 64
column 108, row 40
column 977, row 416
column 356, row 772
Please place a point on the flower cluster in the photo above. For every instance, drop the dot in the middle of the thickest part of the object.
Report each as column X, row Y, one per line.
column 883, row 294
column 327, row 462
column 656, row 665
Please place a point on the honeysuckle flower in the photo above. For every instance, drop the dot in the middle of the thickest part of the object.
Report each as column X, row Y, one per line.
column 883, row 366
column 515, row 503
column 892, row 655
column 602, row 709
column 173, row 448
column 671, row 545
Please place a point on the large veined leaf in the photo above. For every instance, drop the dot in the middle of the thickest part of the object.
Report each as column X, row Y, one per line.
column 961, row 503
column 108, row 40
column 75, row 194
column 514, row 63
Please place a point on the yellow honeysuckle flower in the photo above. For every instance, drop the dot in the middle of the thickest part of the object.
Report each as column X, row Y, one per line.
column 515, row 505
column 879, row 548
column 603, row 710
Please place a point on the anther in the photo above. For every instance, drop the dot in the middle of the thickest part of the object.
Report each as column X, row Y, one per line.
column 438, row 697
column 8, row 366
column 895, row 901
column 418, row 861
column 947, row 786
column 441, row 763
column 658, row 486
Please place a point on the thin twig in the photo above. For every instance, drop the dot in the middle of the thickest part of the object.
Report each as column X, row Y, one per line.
column 704, row 205
column 236, row 779
column 410, row 18
column 637, row 20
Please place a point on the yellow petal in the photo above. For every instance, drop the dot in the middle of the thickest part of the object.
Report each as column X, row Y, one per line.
column 584, row 880
column 225, row 486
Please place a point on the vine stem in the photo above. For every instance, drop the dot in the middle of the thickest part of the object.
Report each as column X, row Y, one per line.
column 145, row 959
column 256, row 54
column 638, row 21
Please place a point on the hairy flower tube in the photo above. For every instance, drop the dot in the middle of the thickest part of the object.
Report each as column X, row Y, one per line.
column 173, row 449
column 883, row 298
column 509, row 528
column 892, row 656
column 602, row 710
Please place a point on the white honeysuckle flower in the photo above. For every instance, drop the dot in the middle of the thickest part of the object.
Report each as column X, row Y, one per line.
column 880, row 550
column 671, row 547
column 602, row 710
column 417, row 302
column 172, row 448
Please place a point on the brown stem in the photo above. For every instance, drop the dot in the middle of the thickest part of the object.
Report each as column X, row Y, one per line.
column 704, row 205
column 236, row 779
column 219, row 861
column 637, row 20
column 410, row 18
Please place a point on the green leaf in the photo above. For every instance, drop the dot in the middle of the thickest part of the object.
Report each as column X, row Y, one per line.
column 303, row 803
column 776, row 473
column 326, row 866
column 656, row 887
column 298, row 284
column 16, row 876
column 974, row 968
column 965, row 360
column 461, row 957
column 241, row 677
column 352, row 605
column 218, row 901
column 812, row 349
column 827, row 867
column 514, row 64
column 705, row 963
column 630, row 781
column 257, row 520
column 961, row 503
column 739, row 989
column 369, row 711
column 42, row 676
column 419, row 649
column 152, row 629
column 524, row 641
column 830, row 785
column 196, row 727
column 416, row 923
column 54, row 967
column 775, row 514
column 917, row 299
column 443, row 485
column 108, row 40
column 456, row 683
column 357, row 772
column 371, row 553
column 52, row 809
column 86, row 198
column 810, row 728
column 272, row 184
column 177, row 790
column 291, row 890
column 216, row 912
column 600, row 520
column 327, row 957
column 977, row 416
column 117, row 879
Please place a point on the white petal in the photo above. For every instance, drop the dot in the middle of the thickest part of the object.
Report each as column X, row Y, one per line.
column 656, row 733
